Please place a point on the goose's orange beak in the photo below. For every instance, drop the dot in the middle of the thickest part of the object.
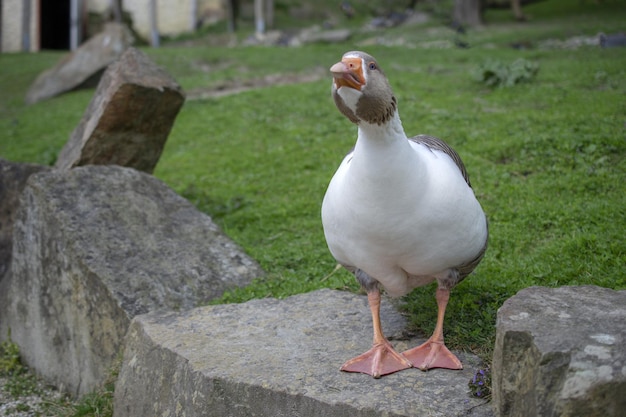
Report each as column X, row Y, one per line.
column 348, row 73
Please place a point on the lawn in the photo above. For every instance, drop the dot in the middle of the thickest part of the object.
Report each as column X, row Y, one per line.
column 547, row 158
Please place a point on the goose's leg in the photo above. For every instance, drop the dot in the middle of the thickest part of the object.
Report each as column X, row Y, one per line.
column 434, row 353
column 382, row 358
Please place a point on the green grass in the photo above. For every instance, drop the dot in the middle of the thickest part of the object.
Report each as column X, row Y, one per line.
column 547, row 157
column 21, row 383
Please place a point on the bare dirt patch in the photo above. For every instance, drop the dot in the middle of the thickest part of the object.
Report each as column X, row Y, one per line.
column 237, row 86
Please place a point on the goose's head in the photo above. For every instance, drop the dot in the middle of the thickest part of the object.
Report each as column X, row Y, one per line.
column 361, row 90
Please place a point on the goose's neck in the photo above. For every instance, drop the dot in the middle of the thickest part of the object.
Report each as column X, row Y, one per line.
column 384, row 164
column 387, row 134
column 381, row 144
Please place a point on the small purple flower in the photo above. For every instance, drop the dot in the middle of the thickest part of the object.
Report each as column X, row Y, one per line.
column 480, row 384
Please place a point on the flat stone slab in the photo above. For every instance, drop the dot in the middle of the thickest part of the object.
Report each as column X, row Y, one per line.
column 276, row 358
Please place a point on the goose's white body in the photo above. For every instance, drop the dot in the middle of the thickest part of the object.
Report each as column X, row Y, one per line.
column 399, row 211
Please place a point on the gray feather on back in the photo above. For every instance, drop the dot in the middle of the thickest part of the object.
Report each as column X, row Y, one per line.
column 434, row 143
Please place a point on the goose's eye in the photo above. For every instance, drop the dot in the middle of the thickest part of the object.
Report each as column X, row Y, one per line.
column 372, row 66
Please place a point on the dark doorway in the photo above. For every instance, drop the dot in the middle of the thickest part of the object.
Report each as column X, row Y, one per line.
column 55, row 24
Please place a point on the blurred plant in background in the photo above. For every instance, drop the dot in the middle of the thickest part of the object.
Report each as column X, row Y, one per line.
column 495, row 73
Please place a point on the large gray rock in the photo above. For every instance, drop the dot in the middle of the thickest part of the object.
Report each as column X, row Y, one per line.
column 82, row 67
column 95, row 246
column 561, row 352
column 269, row 358
column 13, row 178
column 129, row 118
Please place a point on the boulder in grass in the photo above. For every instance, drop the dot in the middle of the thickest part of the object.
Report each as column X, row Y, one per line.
column 95, row 246
column 82, row 67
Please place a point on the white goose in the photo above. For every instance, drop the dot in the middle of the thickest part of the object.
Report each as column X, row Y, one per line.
column 398, row 212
